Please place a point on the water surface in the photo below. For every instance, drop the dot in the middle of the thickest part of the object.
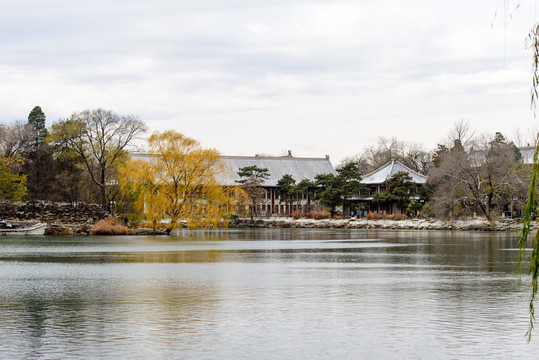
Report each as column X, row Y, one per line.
column 264, row 294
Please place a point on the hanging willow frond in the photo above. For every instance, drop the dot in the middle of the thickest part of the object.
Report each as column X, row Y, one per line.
column 532, row 43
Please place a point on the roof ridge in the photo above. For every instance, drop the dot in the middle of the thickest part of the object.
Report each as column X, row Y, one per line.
column 285, row 157
column 273, row 158
column 390, row 169
column 375, row 171
column 411, row 170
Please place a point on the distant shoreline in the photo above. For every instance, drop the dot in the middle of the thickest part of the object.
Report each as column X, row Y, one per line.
column 413, row 224
column 290, row 223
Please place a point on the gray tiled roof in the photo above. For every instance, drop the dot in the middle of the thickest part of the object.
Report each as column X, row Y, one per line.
column 380, row 175
column 299, row 168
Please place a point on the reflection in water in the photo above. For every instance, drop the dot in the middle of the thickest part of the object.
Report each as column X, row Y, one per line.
column 264, row 294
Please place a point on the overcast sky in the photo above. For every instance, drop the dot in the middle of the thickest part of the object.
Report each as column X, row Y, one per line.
column 249, row 76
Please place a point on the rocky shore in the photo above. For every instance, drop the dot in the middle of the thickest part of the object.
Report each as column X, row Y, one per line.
column 414, row 224
column 78, row 219
column 61, row 218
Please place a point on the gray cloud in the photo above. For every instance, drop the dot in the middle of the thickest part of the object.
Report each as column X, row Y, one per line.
column 199, row 65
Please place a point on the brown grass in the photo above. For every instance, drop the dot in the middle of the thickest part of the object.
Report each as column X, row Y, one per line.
column 109, row 226
column 373, row 216
column 396, row 217
column 319, row 215
column 296, row 214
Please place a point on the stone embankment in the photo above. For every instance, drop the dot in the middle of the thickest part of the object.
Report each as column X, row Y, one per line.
column 53, row 212
column 414, row 224
column 71, row 219
column 61, row 218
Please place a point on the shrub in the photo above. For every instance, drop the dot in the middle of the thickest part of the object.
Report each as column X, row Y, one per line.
column 373, row 216
column 396, row 217
column 296, row 214
column 337, row 217
column 109, row 226
column 319, row 215
column 308, row 215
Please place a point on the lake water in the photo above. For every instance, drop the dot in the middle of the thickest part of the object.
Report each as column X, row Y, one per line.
column 265, row 294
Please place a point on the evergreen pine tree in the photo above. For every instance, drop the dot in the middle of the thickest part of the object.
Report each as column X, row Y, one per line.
column 37, row 119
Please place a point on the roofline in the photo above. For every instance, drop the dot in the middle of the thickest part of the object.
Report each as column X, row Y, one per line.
column 392, row 164
column 256, row 157
column 285, row 157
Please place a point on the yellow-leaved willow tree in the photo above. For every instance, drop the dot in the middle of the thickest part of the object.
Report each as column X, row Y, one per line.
column 179, row 182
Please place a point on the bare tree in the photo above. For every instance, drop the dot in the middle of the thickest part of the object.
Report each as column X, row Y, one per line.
column 15, row 138
column 483, row 178
column 410, row 154
column 461, row 132
column 527, row 137
column 100, row 138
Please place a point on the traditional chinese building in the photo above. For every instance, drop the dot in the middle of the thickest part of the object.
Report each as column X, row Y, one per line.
column 299, row 168
column 376, row 183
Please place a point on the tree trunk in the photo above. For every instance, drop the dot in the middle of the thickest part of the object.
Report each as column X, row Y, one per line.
column 102, row 188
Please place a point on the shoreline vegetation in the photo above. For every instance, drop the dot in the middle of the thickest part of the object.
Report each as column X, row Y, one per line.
column 114, row 226
column 90, row 219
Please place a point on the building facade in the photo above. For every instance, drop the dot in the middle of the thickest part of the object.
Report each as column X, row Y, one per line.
column 376, row 183
column 298, row 168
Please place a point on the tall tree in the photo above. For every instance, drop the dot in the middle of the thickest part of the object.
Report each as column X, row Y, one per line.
column 15, row 139
column 179, row 182
column 100, row 138
column 334, row 190
column 68, row 178
column 40, row 169
column 251, row 178
column 39, row 165
column 36, row 119
column 476, row 179
column 349, row 180
column 328, row 191
column 287, row 191
column 304, row 188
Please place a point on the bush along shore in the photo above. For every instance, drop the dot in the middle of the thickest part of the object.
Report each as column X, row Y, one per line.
column 88, row 219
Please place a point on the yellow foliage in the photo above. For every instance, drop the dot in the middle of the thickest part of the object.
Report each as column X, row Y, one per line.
column 12, row 183
column 179, row 182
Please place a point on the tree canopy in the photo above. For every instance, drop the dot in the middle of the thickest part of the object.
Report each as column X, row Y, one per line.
column 36, row 119
column 482, row 177
column 12, row 183
column 400, row 189
column 251, row 178
column 179, row 182
column 334, row 190
column 287, row 188
column 99, row 138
